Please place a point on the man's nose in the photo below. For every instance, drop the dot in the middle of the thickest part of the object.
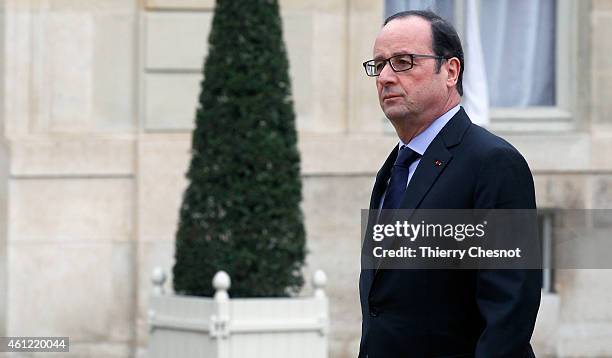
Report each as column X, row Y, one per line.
column 387, row 75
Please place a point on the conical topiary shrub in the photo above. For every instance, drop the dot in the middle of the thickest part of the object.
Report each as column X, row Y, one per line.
column 240, row 212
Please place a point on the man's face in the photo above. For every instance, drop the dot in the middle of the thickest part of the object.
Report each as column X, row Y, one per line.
column 409, row 95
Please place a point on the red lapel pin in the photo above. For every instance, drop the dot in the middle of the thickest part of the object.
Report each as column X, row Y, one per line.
column 437, row 162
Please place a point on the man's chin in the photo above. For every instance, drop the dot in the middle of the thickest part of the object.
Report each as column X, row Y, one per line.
column 395, row 114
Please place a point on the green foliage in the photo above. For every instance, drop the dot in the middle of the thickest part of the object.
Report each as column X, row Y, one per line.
column 241, row 211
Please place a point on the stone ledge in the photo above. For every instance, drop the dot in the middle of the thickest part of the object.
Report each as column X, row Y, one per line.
column 322, row 154
column 180, row 4
column 72, row 156
column 343, row 154
column 360, row 154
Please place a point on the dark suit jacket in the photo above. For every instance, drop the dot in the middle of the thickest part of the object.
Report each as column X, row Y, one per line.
column 454, row 313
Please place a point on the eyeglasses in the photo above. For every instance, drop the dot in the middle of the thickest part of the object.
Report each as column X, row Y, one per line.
column 398, row 63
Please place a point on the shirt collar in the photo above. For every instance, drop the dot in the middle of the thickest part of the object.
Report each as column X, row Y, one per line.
column 420, row 143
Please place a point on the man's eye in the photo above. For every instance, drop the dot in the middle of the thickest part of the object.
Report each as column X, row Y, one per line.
column 402, row 61
column 379, row 66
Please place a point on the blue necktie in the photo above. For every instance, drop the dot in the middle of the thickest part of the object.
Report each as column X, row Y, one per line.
column 399, row 178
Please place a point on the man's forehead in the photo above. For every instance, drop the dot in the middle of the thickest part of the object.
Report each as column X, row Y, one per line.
column 407, row 34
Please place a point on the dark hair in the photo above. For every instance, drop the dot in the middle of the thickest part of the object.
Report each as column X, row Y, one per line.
column 445, row 41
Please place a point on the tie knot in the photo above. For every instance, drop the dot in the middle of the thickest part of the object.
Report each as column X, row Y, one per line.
column 406, row 156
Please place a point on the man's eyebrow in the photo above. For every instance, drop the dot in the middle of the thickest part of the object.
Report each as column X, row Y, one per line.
column 396, row 53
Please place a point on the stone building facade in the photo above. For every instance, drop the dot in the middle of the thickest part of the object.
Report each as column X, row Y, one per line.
column 98, row 100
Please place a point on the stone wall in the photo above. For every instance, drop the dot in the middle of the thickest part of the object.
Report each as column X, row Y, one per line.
column 98, row 103
column 69, row 147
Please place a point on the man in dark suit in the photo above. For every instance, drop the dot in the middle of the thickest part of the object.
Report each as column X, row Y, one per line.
column 443, row 161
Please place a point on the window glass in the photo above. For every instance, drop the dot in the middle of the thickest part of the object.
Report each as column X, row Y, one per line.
column 518, row 42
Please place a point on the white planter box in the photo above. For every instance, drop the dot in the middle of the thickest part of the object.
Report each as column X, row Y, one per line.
column 220, row 327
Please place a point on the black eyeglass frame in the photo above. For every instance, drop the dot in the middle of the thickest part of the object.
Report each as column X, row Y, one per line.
column 412, row 57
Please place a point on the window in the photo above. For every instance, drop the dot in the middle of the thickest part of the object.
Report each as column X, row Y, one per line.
column 518, row 47
column 526, row 49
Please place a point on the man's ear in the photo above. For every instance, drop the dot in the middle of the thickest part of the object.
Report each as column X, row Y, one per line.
column 453, row 72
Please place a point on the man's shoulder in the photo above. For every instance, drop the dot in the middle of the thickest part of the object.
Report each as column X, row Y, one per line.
column 484, row 144
column 463, row 136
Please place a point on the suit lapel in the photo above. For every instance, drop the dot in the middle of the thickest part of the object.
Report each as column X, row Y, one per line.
column 434, row 161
